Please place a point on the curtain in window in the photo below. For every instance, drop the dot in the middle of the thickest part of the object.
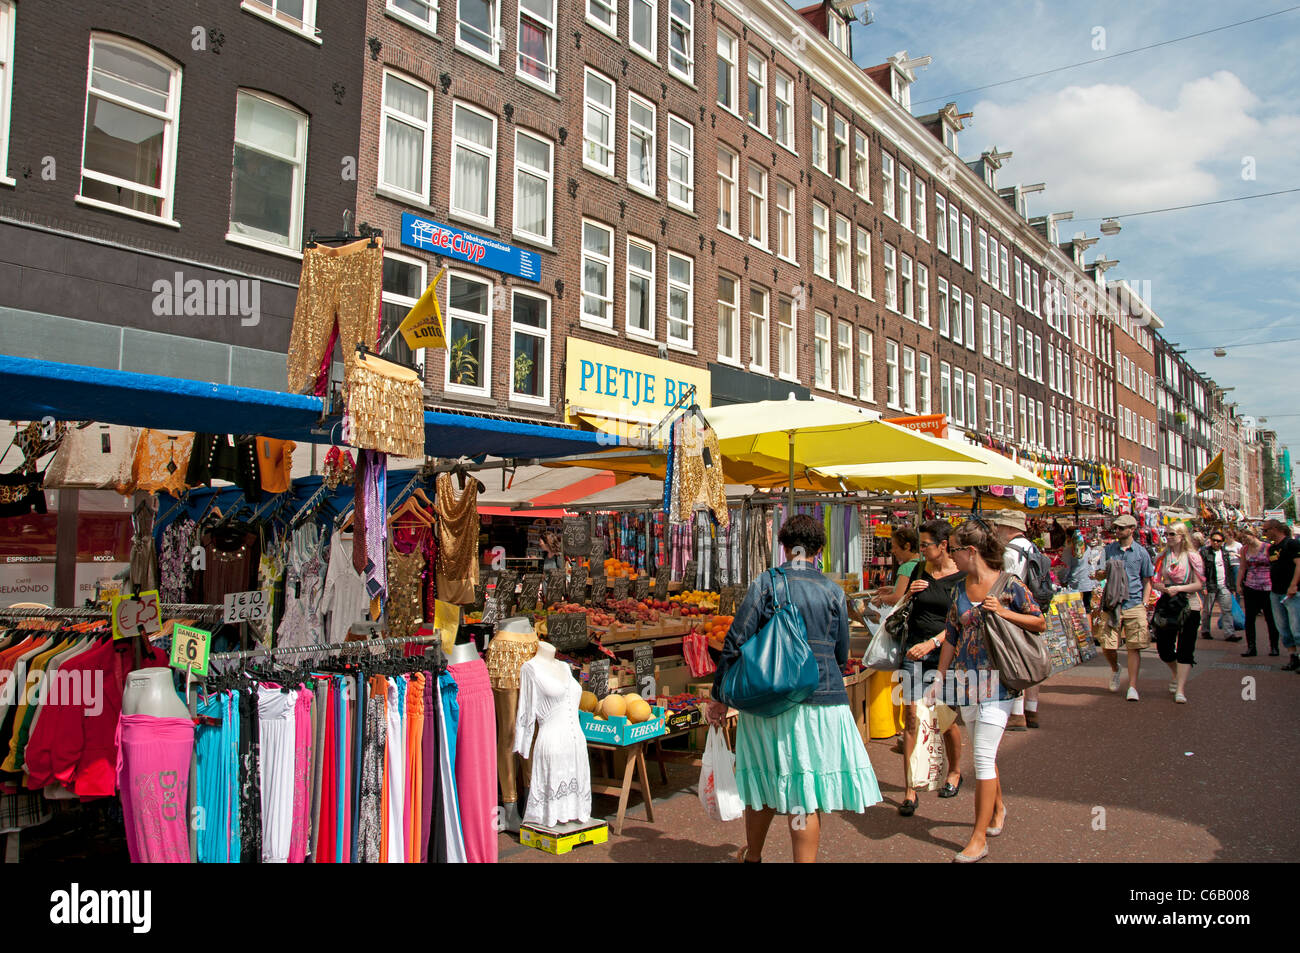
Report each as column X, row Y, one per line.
column 473, row 169
column 530, row 188
column 404, row 143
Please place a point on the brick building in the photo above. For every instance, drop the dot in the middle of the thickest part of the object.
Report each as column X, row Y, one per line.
column 1135, row 379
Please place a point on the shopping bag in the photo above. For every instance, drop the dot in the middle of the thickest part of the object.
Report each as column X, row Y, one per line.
column 695, row 648
column 1238, row 617
column 927, row 769
column 717, row 790
column 884, row 652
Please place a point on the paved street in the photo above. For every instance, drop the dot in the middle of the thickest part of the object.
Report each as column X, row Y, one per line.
column 1212, row 780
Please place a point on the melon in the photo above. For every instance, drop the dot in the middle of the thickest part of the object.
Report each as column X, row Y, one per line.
column 588, row 702
column 613, row 706
column 631, row 697
column 638, row 711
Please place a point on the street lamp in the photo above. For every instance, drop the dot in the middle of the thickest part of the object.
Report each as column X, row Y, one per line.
column 1110, row 227
column 1220, row 352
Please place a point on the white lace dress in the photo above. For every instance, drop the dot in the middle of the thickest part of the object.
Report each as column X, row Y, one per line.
column 561, row 775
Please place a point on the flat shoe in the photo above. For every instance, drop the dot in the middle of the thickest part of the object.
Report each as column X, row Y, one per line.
column 1250, row 654
column 949, row 790
column 995, row 831
column 908, row 807
column 967, row 859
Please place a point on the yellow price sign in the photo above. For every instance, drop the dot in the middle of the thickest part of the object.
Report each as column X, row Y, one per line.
column 446, row 622
column 136, row 615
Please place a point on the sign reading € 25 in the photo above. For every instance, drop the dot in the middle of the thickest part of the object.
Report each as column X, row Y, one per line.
column 610, row 382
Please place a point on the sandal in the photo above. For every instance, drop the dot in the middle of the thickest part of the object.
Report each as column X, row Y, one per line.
column 908, row 807
column 743, row 856
column 950, row 790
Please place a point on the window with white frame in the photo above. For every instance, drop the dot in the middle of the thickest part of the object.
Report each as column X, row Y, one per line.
column 537, row 42
column 296, row 15
column 970, row 323
column 6, row 81
column 954, row 232
column 922, row 295
column 920, row 210
column 469, row 331
column 891, row 374
column 1041, row 429
column 955, row 312
column 887, row 196
column 604, row 14
column 598, row 274
column 843, row 252
column 972, row 405
column 530, row 346
column 959, row 396
column 821, row 229
column 758, row 205
column 785, row 220
column 128, row 158
column 266, row 192
column 727, row 216
column 984, row 255
column 993, row 263
column 760, row 345
column 1006, row 340
column 999, row 415
column 891, row 278
column 681, row 163
column 941, row 305
column 905, row 287
column 861, row 165
column 404, row 143
column 598, row 123
column 1025, row 420
column 940, row 223
column 783, row 109
column 1036, row 299
column 967, row 253
column 866, row 366
column 645, row 26
column 818, row 112
column 945, row 388
column 996, row 335
column 681, row 300
column 756, row 90
column 1009, row 405
column 681, row 38
column 844, row 358
column 1020, row 297
column 840, row 154
column 923, row 383
column 404, row 282
column 1038, row 359
column 864, row 261
column 726, row 70
column 822, row 349
column 909, row 380
column 986, row 344
column 534, row 185
column 1020, row 349
column 904, row 197
column 787, row 354
column 728, row 319
column 422, row 14
column 473, row 163
column 640, row 288
column 478, row 27
column 641, row 126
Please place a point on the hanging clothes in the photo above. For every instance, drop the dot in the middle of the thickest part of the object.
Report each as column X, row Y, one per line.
column 176, row 560
column 476, row 764
column 458, row 531
column 223, row 457
column 343, row 600
column 275, row 464
column 161, row 462
column 153, row 775
column 94, row 456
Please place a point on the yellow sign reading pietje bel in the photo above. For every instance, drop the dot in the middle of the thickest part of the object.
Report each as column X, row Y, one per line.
column 628, row 386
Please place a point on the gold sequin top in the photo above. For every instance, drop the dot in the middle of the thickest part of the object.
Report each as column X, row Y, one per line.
column 506, row 656
column 405, row 604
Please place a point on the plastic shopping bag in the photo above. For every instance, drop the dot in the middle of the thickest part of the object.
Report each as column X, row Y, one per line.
column 718, row 791
column 1238, row 617
column 884, row 652
column 927, row 769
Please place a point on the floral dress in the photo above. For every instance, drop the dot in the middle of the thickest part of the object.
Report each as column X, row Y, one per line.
column 965, row 632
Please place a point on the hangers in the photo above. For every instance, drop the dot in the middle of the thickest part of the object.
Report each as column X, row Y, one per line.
column 461, row 473
column 364, row 231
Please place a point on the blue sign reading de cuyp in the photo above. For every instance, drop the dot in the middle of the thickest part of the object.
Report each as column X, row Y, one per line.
column 467, row 247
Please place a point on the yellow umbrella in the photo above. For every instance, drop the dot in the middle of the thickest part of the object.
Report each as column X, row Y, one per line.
column 987, row 469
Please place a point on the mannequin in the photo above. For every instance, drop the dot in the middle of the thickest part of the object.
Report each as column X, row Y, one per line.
column 560, row 791
column 463, row 652
column 475, row 747
column 514, row 644
column 149, row 691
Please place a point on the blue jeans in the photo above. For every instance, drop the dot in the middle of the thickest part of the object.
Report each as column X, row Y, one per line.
column 1286, row 612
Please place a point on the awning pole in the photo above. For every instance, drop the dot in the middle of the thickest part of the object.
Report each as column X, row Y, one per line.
column 919, row 513
column 791, row 436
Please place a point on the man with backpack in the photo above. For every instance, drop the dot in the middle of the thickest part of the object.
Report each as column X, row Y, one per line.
column 1022, row 559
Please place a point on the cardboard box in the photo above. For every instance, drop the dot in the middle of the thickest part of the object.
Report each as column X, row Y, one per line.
column 561, row 843
column 619, row 731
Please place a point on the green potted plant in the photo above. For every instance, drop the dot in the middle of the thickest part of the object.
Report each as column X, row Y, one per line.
column 464, row 365
column 523, row 367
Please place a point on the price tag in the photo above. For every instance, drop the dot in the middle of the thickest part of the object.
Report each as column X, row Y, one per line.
column 577, row 585
column 597, row 557
column 136, row 615
column 729, row 599
column 567, row 631
column 643, row 660
column 446, row 622
column 662, row 576
column 576, row 536
column 620, row 588
column 190, row 648
column 641, row 587
column 528, row 592
column 598, row 678
column 599, row 590
column 554, row 586
column 505, row 591
column 245, row 606
column 493, row 611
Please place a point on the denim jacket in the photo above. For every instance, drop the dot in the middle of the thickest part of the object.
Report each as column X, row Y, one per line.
column 825, row 616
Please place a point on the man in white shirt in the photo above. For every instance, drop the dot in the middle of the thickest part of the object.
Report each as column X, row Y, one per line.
column 1009, row 526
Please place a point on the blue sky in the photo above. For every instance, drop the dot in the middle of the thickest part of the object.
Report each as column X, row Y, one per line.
column 1171, row 126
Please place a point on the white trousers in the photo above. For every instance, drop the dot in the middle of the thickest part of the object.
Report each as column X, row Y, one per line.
column 986, row 723
column 275, row 734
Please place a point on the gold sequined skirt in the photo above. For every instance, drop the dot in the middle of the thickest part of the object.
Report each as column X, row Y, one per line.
column 385, row 407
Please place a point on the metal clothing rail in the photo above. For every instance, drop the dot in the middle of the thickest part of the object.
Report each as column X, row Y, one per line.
column 171, row 609
column 333, row 647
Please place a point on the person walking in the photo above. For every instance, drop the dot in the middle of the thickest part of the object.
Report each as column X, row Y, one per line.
column 1253, row 588
column 1178, row 613
column 1132, row 627
column 905, row 548
column 810, row 758
column 1284, row 575
column 986, row 702
column 1220, row 582
column 1009, row 527
column 1082, row 558
column 931, row 594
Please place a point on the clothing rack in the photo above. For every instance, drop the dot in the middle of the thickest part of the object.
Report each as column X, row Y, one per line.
column 172, row 609
column 332, row 647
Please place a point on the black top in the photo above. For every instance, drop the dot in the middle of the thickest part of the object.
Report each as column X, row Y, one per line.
column 1281, row 563
column 930, row 608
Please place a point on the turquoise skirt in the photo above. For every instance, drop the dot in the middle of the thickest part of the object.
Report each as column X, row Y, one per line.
column 810, row 758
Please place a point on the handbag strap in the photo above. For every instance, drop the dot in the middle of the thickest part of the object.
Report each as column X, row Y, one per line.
column 775, row 572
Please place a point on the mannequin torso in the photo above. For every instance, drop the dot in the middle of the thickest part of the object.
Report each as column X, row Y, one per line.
column 149, row 692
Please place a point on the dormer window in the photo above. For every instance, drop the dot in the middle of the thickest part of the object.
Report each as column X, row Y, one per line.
column 838, row 30
column 950, row 137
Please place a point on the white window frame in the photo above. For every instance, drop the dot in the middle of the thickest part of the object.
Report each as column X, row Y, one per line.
column 887, row 197
column 681, row 288
column 490, row 153
column 919, row 218
column 972, row 401
column 996, row 330
column 822, row 348
column 547, row 176
column 891, row 375
column 945, row 388
column 922, row 295
column 607, row 297
column 820, row 133
column 429, row 26
column 485, row 368
column 1006, row 340
column 544, row 400
column 940, row 223
column 269, row 10
column 549, row 25
column 786, row 232
column 293, row 241
column 866, row 366
column 165, row 190
column 840, row 159
column 909, row 380
column 649, row 278
column 732, row 60
column 984, row 255
column 958, row 409
column 594, row 18
column 8, row 18
column 986, row 346
column 904, row 197
column 988, row 405
column 494, row 41
column 757, row 205
column 954, row 302
column 862, row 259
column 387, row 113
column 967, row 251
column 783, row 132
column 590, row 106
column 822, row 266
column 941, row 305
column 649, row 52
column 844, row 358
column 862, row 164
column 760, row 322
column 993, row 263
column 970, row 322
column 754, row 56
column 728, row 181
column 954, row 232
column 688, row 153
column 686, row 28
column 843, row 252
column 787, row 340
column 891, row 277
column 923, row 383
column 651, row 133
column 732, row 359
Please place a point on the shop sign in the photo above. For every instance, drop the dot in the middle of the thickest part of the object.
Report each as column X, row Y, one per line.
column 935, row 425
column 26, row 582
column 458, row 245
column 614, row 383
column 1279, row 515
column 190, row 648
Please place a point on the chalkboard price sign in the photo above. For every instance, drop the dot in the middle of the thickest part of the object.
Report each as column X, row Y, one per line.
column 643, row 660
column 554, row 586
column 662, row 576
column 480, row 592
column 729, row 599
column 597, row 557
column 577, row 536
column 505, row 591
column 577, row 585
column 641, row 587
column 567, row 631
column 528, row 595
column 620, row 588
column 493, row 610
column 688, row 575
column 599, row 590
column 598, row 678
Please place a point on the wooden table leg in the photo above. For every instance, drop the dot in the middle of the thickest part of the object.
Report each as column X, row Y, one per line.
column 659, row 756
column 628, row 772
column 645, row 784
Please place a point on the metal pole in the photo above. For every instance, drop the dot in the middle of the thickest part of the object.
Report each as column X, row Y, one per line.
column 919, row 513
column 791, row 436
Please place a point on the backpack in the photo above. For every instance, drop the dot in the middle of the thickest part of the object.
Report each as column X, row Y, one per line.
column 1038, row 574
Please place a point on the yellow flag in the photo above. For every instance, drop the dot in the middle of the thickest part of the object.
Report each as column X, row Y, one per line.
column 422, row 326
column 1211, row 478
column 446, row 622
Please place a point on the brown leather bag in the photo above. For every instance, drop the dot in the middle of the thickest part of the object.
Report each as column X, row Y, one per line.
column 1020, row 657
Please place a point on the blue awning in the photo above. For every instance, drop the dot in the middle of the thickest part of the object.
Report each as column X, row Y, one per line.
column 34, row 389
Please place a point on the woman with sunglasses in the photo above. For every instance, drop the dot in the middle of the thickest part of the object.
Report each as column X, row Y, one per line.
column 986, row 701
column 931, row 594
column 1182, row 573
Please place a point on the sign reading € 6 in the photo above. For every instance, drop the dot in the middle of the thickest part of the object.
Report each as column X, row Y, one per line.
column 611, row 383
column 190, row 649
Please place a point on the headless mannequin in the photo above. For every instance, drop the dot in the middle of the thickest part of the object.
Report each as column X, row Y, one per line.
column 149, row 692
column 463, row 652
column 506, row 655
column 546, row 652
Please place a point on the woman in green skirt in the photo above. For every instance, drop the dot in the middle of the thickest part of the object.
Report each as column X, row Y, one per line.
column 810, row 758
